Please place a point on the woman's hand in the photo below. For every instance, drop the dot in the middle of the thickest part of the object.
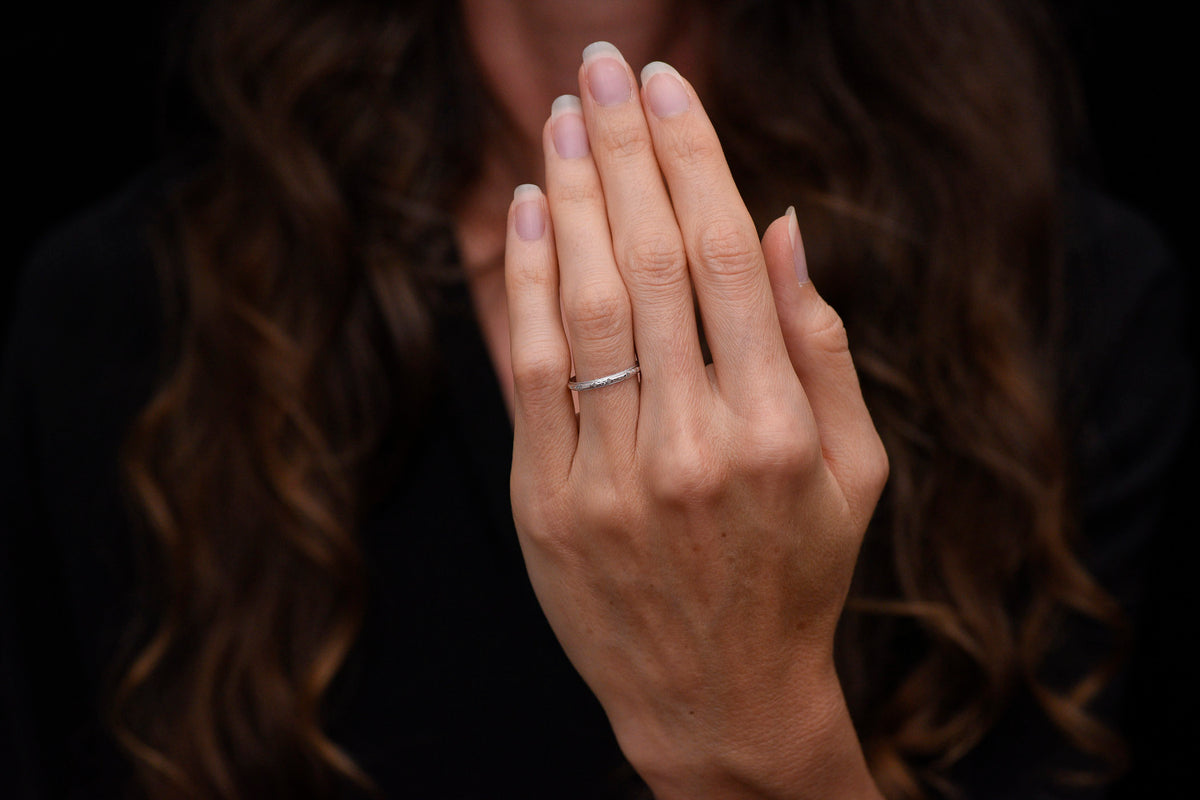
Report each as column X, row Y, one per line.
column 691, row 535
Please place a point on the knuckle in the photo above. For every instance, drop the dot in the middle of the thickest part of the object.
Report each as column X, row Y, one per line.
column 531, row 276
column 576, row 193
column 656, row 258
column 597, row 312
column 827, row 331
column 624, row 140
column 687, row 474
column 542, row 523
column 695, row 148
column 868, row 478
column 532, row 508
column 537, row 370
column 782, row 446
column 598, row 509
column 878, row 468
column 728, row 247
column 541, row 508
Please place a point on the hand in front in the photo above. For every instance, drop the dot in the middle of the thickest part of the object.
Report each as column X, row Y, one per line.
column 691, row 535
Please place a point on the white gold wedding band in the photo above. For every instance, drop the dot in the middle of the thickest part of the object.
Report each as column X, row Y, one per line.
column 607, row 380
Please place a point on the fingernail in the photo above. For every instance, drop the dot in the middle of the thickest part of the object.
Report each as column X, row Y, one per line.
column 566, row 127
column 664, row 90
column 798, row 259
column 529, row 219
column 607, row 75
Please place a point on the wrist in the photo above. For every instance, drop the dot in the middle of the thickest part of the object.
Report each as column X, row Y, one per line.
column 794, row 751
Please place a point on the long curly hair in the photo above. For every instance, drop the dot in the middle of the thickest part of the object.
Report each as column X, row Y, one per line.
column 920, row 143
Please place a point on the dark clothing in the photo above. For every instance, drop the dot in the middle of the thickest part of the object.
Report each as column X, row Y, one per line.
column 457, row 687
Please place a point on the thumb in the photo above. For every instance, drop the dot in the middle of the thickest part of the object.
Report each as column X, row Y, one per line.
column 820, row 354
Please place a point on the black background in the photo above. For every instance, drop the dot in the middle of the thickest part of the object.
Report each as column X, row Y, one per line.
column 83, row 85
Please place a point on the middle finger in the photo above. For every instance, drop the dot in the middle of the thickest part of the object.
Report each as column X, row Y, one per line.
column 647, row 244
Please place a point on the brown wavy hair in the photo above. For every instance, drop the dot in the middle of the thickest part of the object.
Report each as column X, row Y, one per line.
column 920, row 143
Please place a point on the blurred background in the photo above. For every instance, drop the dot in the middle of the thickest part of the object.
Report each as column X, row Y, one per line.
column 83, row 87
column 83, row 91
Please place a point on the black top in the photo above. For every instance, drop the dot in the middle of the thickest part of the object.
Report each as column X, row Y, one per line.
column 457, row 687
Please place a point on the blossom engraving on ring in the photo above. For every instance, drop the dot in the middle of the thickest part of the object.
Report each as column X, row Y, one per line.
column 607, row 380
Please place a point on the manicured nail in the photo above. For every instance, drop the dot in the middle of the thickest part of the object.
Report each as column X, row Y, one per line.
column 664, row 90
column 607, row 75
column 798, row 259
column 566, row 127
column 529, row 218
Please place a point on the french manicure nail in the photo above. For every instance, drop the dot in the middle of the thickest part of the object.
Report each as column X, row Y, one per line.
column 567, row 129
column 607, row 75
column 664, row 90
column 529, row 219
column 798, row 259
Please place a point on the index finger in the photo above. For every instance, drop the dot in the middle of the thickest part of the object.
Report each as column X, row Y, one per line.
column 723, row 249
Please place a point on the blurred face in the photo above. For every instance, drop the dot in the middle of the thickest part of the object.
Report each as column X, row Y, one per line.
column 528, row 51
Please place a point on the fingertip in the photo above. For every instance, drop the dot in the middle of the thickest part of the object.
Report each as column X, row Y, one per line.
column 529, row 212
column 799, row 261
column 526, row 191
column 601, row 49
column 566, row 104
column 666, row 97
column 776, row 229
column 529, row 257
column 780, row 256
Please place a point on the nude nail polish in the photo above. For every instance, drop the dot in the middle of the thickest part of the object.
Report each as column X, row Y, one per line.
column 665, row 93
column 567, row 128
column 607, row 76
column 528, row 217
column 798, row 259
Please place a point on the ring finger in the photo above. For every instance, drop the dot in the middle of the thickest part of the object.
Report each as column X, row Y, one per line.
column 595, row 303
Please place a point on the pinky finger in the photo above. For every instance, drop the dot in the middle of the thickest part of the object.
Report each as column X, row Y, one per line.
column 546, row 429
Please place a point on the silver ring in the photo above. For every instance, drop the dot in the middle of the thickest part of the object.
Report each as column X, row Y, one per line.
column 607, row 380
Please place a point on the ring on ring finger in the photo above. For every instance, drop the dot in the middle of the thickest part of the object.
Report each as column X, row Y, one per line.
column 607, row 380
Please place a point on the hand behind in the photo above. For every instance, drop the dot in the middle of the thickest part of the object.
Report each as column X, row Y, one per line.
column 691, row 536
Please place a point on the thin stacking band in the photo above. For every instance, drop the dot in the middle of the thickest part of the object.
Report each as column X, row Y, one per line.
column 607, row 380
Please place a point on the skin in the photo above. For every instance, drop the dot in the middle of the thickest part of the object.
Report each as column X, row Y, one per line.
column 691, row 536
column 527, row 52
